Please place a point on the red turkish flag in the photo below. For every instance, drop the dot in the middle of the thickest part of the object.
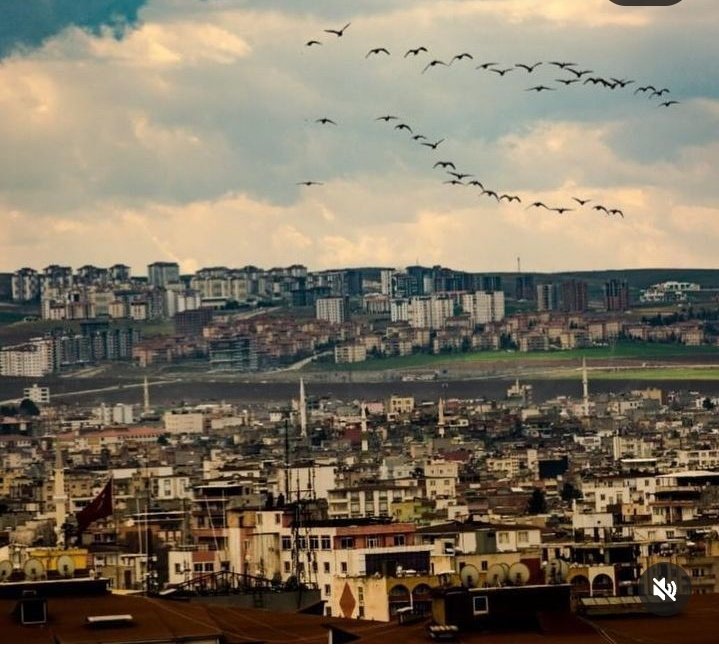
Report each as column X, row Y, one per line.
column 97, row 509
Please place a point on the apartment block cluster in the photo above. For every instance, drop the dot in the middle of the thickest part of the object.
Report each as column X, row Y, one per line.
column 372, row 503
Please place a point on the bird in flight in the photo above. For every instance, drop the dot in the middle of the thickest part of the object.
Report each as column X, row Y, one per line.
column 623, row 82
column 600, row 208
column 415, row 51
column 491, row 193
column 431, row 64
column 659, row 93
column 617, row 212
column 402, row 127
column 378, row 50
column 666, row 104
column 454, row 181
column 459, row 57
column 645, row 89
column 538, row 204
column 510, row 198
column 540, row 88
column 418, row 137
column 309, row 183
column 579, row 73
column 338, row 32
column 443, row 164
column 562, row 64
column 432, row 145
column 459, row 176
column 386, row 118
column 567, row 82
column 501, row 73
column 485, row 66
column 476, row 183
column 311, row 43
column 582, row 202
column 562, row 210
column 528, row 68
column 325, row 120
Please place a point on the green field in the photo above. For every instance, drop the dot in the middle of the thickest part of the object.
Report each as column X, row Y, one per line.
column 623, row 351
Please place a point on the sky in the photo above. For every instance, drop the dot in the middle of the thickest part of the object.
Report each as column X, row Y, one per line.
column 177, row 130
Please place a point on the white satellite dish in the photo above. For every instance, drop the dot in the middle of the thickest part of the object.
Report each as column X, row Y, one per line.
column 5, row 570
column 518, row 574
column 34, row 569
column 557, row 570
column 66, row 566
column 469, row 575
column 497, row 574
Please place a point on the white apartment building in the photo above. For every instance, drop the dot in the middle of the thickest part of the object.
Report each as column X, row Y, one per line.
column 332, row 309
column 31, row 359
column 484, row 306
column 184, row 422
column 37, row 394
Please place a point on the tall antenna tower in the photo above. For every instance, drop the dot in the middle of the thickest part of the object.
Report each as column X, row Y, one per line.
column 519, row 265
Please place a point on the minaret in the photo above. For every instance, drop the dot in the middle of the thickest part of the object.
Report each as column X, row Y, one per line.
column 585, row 387
column 146, row 394
column 59, row 496
column 440, row 417
column 303, row 409
column 363, row 428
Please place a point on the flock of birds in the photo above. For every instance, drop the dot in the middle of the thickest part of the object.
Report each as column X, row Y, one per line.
column 571, row 74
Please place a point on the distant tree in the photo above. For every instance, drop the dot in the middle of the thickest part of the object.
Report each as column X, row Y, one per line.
column 8, row 411
column 27, row 408
column 570, row 492
column 162, row 440
column 708, row 404
column 537, row 503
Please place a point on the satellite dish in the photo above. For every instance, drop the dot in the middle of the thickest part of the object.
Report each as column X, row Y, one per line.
column 469, row 575
column 66, row 566
column 497, row 574
column 5, row 570
column 34, row 569
column 518, row 574
column 557, row 570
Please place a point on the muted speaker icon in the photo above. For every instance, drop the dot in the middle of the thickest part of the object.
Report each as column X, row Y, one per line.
column 663, row 589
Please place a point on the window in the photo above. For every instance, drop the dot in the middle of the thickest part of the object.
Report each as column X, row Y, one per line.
column 343, row 567
column 278, row 519
column 328, row 590
column 326, row 543
column 286, row 543
column 326, row 567
column 484, row 565
column 372, row 542
column 361, row 612
column 209, row 567
column 360, row 595
column 523, row 537
column 670, row 534
column 503, row 537
column 288, row 566
column 480, row 605
column 178, row 568
column 197, row 567
column 328, row 611
column 399, row 539
column 347, row 542
column 302, row 542
column 314, row 543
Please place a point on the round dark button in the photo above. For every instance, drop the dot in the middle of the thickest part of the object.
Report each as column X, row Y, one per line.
column 665, row 588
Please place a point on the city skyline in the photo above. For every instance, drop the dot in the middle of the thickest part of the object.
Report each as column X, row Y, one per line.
column 179, row 131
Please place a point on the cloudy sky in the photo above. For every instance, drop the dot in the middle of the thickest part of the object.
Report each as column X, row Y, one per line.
column 139, row 130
